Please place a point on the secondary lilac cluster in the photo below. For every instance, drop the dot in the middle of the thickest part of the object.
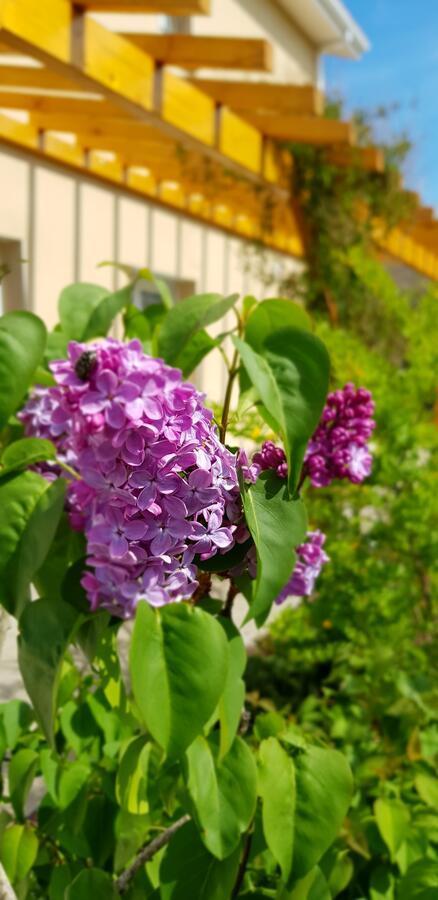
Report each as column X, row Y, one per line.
column 310, row 560
column 338, row 448
column 156, row 486
column 271, row 457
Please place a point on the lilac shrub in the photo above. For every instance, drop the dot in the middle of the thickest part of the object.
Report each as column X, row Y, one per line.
column 156, row 490
column 156, row 487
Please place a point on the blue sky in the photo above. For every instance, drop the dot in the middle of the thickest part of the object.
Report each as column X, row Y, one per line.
column 401, row 68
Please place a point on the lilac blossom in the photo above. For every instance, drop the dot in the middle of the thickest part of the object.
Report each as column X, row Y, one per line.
column 155, row 488
column 271, row 457
column 310, row 560
column 339, row 448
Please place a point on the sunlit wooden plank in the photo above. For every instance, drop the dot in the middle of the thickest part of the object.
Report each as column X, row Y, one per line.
column 63, row 150
column 108, row 168
column 114, row 62
column 55, row 111
column 240, row 141
column 304, row 129
column 194, row 51
column 372, row 159
column 188, row 108
column 45, row 24
column 19, row 132
column 262, row 96
column 33, row 77
column 168, row 7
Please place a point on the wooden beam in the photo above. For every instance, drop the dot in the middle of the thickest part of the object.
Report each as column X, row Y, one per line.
column 46, row 25
column 261, row 96
column 105, row 63
column 426, row 235
column 169, row 7
column 304, row 129
column 98, row 124
column 66, row 108
column 40, row 78
column 192, row 51
column 371, row 159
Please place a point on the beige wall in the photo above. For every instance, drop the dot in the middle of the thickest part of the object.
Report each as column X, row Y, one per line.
column 66, row 225
column 295, row 58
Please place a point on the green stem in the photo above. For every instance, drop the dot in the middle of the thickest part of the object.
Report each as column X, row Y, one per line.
column 68, row 469
column 227, row 400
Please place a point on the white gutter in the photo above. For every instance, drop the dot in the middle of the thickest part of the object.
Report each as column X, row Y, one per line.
column 329, row 26
column 352, row 34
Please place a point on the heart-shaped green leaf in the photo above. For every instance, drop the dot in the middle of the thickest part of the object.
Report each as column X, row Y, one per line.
column 184, row 321
column 178, row 664
column 278, row 525
column 46, row 630
column 278, row 792
column 223, row 793
column 22, row 343
column 30, row 510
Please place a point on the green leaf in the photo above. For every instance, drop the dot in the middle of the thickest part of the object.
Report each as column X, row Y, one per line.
column 91, row 884
column 272, row 315
column 313, row 887
column 392, row 819
column 67, row 547
column 57, row 344
column 291, row 374
column 30, row 509
column 64, row 779
column 21, row 773
column 132, row 776
column 16, row 717
column 194, row 352
column 420, row 881
column 338, row 868
column 172, row 649
column 76, row 305
column 188, row 870
column 18, row 851
column 223, row 793
column 278, row 793
column 301, row 367
column 185, row 320
column 262, row 377
column 26, row 452
column 46, row 630
column 427, row 788
column 278, row 525
column 324, row 788
column 232, row 699
column 22, row 342
column 105, row 312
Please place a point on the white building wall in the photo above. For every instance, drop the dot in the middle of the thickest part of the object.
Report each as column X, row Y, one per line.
column 295, row 58
column 66, row 225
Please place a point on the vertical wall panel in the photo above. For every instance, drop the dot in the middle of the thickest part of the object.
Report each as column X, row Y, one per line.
column 163, row 242
column 13, row 205
column 96, row 234
column 133, row 238
column 191, row 262
column 53, row 256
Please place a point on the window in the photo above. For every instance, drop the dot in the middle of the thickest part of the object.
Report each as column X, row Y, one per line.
column 146, row 293
column 11, row 276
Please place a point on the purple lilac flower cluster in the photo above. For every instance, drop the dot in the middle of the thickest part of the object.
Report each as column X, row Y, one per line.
column 271, row 457
column 156, row 486
column 338, row 448
column 310, row 559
